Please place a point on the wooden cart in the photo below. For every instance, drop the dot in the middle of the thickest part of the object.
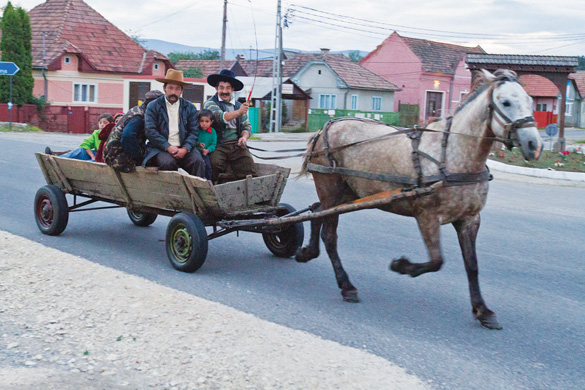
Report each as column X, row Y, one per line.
column 192, row 202
column 251, row 204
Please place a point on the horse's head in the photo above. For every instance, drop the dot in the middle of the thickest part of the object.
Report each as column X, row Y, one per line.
column 511, row 114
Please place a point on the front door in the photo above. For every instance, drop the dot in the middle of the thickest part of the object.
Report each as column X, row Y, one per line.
column 434, row 107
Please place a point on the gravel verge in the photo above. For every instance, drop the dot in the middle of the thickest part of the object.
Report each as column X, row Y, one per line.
column 67, row 323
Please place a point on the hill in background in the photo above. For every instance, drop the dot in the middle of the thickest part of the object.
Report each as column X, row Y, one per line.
column 165, row 48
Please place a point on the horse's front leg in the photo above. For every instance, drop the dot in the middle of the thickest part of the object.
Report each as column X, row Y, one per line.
column 467, row 232
column 311, row 251
column 431, row 233
column 329, row 236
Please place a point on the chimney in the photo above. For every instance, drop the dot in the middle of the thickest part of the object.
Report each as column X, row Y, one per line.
column 324, row 52
column 240, row 57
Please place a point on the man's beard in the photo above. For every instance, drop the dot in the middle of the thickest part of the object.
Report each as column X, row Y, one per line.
column 226, row 97
column 172, row 98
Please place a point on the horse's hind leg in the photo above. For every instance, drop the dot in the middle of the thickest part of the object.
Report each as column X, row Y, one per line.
column 467, row 232
column 329, row 236
column 311, row 251
column 431, row 233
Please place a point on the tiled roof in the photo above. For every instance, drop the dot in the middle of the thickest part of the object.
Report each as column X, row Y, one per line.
column 515, row 59
column 73, row 26
column 438, row 56
column 351, row 73
column 538, row 86
column 579, row 77
column 207, row 67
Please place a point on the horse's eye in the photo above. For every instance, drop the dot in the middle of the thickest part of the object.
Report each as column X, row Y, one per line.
column 506, row 103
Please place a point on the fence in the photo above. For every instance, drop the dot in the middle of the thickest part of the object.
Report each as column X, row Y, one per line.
column 318, row 117
column 64, row 119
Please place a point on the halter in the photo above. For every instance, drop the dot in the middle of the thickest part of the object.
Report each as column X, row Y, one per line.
column 510, row 126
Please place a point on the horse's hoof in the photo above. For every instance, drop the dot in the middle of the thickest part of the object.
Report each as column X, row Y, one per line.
column 350, row 296
column 400, row 265
column 303, row 255
column 488, row 319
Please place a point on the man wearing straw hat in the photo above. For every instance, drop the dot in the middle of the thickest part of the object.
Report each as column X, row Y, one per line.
column 232, row 127
column 170, row 125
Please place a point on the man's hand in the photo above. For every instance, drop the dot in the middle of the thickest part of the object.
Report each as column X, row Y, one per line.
column 243, row 140
column 243, row 108
column 181, row 152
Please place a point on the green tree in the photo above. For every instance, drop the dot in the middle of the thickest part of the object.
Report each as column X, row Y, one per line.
column 355, row 56
column 16, row 47
column 196, row 73
column 581, row 65
column 207, row 54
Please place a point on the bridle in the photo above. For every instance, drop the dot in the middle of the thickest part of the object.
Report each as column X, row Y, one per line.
column 511, row 127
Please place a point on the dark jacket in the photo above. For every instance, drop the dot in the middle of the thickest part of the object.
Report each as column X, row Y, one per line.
column 156, row 126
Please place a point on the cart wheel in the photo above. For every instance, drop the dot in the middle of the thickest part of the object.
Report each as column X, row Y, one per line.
column 51, row 210
column 186, row 242
column 142, row 219
column 285, row 243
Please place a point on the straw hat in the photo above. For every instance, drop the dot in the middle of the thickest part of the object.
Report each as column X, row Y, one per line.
column 174, row 76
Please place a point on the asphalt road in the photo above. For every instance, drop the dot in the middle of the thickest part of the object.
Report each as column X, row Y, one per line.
column 532, row 274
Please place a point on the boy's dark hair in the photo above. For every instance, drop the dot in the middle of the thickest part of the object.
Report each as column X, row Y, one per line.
column 109, row 117
column 205, row 113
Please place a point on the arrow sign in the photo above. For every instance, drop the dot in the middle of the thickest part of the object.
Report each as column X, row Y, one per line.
column 8, row 68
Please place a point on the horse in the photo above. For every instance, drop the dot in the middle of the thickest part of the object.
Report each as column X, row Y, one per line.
column 353, row 159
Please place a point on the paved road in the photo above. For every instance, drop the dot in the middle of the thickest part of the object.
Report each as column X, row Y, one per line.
column 531, row 271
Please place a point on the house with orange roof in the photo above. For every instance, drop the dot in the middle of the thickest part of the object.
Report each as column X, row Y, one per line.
column 545, row 96
column 579, row 79
column 430, row 74
column 86, row 65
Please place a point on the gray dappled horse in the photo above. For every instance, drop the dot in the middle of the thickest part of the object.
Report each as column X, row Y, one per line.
column 352, row 159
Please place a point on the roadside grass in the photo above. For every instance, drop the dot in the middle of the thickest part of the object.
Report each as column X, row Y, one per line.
column 569, row 161
column 19, row 128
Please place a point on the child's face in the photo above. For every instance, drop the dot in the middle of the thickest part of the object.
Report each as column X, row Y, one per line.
column 103, row 123
column 204, row 122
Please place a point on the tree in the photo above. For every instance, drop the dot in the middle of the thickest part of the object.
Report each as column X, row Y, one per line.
column 581, row 65
column 207, row 54
column 355, row 56
column 16, row 47
column 196, row 73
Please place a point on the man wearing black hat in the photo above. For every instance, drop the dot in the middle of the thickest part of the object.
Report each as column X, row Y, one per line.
column 232, row 127
column 171, row 126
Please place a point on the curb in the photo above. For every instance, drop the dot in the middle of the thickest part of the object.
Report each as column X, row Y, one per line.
column 536, row 172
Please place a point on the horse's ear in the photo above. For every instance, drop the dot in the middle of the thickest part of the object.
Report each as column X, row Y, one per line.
column 488, row 75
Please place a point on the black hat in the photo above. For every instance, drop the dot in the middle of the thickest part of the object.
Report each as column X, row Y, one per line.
column 225, row 75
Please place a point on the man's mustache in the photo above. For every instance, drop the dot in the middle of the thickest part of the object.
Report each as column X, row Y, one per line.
column 173, row 96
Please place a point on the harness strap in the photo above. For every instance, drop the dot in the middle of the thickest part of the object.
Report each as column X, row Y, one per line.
column 449, row 179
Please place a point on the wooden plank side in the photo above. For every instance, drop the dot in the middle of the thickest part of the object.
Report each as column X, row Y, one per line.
column 232, row 196
column 91, row 178
column 41, row 159
column 162, row 189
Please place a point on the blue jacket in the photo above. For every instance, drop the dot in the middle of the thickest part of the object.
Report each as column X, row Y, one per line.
column 156, row 126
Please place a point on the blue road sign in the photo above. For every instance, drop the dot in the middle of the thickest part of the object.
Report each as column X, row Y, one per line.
column 8, row 68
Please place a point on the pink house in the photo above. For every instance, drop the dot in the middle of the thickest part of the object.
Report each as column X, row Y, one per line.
column 430, row 74
column 86, row 66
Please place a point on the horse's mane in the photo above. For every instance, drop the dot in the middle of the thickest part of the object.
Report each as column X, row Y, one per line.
column 483, row 81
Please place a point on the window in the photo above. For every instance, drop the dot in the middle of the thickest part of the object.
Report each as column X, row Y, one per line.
column 155, row 66
column 85, row 93
column 319, row 71
column 568, row 108
column 328, row 101
column 376, row 103
column 354, row 102
column 67, row 60
column 541, row 107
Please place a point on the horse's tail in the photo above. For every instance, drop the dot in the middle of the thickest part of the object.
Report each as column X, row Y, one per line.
column 307, row 156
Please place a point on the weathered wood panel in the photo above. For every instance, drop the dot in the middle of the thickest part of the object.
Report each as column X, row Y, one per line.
column 242, row 194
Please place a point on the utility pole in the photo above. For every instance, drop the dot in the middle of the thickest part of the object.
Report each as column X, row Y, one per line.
column 222, row 66
column 276, row 95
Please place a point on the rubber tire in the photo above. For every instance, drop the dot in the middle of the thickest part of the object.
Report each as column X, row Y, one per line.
column 285, row 243
column 51, row 210
column 142, row 219
column 186, row 242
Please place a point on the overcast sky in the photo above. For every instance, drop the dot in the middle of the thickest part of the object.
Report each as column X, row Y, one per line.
column 539, row 27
